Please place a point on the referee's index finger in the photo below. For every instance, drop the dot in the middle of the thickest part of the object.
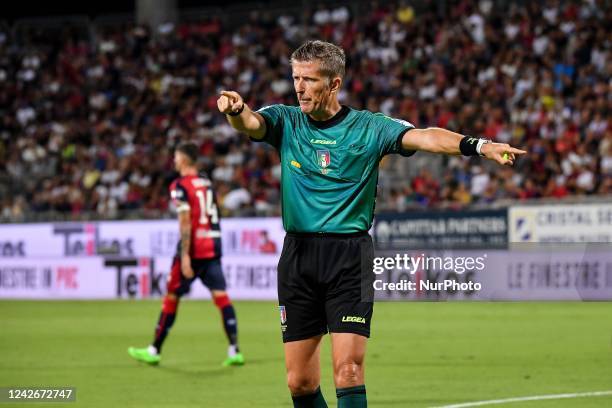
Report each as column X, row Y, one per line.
column 230, row 94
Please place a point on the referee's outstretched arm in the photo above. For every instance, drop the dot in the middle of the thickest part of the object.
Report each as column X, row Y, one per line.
column 240, row 116
column 438, row 140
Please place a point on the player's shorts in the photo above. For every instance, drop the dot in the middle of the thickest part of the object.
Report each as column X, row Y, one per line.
column 325, row 284
column 209, row 271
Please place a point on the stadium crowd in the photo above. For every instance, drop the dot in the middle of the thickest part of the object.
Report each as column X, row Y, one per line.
column 88, row 124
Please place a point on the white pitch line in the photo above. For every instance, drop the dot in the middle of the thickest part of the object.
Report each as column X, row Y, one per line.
column 533, row 398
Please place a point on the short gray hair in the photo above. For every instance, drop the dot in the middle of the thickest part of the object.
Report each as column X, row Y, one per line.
column 331, row 57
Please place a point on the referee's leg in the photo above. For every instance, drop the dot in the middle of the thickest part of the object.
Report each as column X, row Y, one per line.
column 348, row 354
column 303, row 319
column 304, row 372
column 349, row 308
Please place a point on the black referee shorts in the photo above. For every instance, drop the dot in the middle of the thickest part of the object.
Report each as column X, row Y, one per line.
column 325, row 284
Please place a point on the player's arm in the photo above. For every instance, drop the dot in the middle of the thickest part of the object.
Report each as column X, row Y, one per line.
column 184, row 218
column 438, row 140
column 240, row 116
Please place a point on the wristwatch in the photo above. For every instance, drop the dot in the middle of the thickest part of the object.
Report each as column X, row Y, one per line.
column 479, row 145
column 238, row 112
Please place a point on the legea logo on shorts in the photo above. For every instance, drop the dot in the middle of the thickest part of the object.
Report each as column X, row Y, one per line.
column 353, row 319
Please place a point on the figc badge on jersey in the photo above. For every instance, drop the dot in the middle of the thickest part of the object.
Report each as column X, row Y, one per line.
column 324, row 160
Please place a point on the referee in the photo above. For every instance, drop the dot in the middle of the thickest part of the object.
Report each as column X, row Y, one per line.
column 329, row 156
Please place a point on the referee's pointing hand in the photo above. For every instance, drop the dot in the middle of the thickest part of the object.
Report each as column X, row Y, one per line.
column 502, row 153
column 229, row 102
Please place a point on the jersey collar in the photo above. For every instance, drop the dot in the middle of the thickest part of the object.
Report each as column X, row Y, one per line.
column 334, row 120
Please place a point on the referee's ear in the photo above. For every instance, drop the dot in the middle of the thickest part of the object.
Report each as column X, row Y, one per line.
column 335, row 84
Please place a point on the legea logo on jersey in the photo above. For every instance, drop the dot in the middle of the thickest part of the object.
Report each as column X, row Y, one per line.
column 324, row 160
column 322, row 141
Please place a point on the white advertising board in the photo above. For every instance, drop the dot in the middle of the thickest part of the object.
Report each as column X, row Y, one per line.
column 578, row 223
column 132, row 238
column 55, row 278
column 570, row 274
column 247, row 277
column 507, row 275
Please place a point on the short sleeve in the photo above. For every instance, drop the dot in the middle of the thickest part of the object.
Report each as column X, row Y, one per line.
column 178, row 194
column 274, row 115
column 390, row 133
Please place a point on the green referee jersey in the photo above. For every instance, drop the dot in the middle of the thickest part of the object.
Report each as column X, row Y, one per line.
column 330, row 168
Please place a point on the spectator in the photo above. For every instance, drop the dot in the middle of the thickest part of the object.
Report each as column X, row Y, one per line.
column 88, row 124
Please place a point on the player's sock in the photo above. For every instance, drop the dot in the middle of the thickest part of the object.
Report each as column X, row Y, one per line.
column 314, row 400
column 229, row 321
column 166, row 320
column 352, row 397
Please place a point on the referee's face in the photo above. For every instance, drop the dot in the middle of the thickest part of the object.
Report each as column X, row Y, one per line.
column 314, row 90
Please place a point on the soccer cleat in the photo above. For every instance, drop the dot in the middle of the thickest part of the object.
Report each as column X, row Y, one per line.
column 235, row 360
column 142, row 354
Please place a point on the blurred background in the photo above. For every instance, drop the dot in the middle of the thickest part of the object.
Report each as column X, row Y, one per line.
column 93, row 104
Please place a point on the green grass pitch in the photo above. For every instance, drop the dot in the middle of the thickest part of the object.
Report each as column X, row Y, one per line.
column 420, row 354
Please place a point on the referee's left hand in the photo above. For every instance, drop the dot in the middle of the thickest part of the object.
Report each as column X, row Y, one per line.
column 502, row 153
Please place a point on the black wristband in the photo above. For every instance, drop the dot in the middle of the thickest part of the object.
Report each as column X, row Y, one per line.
column 238, row 112
column 467, row 145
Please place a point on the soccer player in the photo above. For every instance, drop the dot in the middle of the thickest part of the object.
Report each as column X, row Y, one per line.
column 198, row 255
column 329, row 157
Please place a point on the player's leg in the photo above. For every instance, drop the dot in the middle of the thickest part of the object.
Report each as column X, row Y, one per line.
column 348, row 354
column 230, row 325
column 304, row 372
column 176, row 287
column 211, row 274
column 165, row 322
